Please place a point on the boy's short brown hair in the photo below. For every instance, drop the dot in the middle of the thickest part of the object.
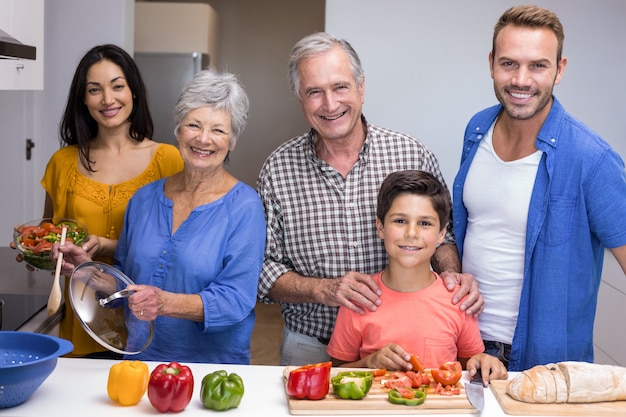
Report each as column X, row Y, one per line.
column 418, row 183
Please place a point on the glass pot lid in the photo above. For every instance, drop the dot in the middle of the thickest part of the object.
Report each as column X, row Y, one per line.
column 98, row 296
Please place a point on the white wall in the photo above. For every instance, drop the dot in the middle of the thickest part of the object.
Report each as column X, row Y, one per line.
column 609, row 337
column 427, row 73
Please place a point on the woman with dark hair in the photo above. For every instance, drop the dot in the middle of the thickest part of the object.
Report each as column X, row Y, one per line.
column 106, row 155
column 78, row 127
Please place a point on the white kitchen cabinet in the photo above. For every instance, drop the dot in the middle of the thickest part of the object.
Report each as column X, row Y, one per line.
column 23, row 20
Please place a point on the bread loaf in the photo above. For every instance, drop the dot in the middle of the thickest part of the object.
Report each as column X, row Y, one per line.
column 571, row 382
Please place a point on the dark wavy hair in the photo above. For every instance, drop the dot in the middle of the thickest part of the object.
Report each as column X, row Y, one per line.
column 78, row 127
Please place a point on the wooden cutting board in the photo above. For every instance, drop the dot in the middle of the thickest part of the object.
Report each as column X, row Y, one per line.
column 376, row 402
column 519, row 408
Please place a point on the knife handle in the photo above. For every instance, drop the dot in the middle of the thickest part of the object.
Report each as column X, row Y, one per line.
column 477, row 378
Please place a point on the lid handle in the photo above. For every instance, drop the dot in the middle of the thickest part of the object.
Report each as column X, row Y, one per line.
column 120, row 294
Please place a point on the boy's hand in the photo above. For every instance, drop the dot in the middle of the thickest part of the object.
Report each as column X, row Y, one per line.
column 490, row 366
column 391, row 357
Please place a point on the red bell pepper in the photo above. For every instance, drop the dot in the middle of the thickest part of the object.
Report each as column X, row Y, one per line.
column 170, row 387
column 309, row 382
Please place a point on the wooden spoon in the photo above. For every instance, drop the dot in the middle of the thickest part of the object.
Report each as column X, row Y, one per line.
column 54, row 300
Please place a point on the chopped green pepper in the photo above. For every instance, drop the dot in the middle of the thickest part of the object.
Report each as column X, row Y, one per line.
column 353, row 385
column 409, row 396
column 221, row 391
column 74, row 232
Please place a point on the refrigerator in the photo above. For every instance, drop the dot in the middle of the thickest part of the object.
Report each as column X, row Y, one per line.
column 165, row 74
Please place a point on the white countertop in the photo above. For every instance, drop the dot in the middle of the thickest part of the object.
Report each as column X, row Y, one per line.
column 78, row 387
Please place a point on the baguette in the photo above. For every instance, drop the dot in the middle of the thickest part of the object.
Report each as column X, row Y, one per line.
column 569, row 382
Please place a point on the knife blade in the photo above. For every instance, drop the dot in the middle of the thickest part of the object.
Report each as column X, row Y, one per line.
column 475, row 391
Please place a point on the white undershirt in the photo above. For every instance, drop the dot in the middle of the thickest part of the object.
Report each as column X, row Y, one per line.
column 497, row 195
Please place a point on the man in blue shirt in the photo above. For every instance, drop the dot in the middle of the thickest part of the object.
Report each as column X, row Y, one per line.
column 537, row 199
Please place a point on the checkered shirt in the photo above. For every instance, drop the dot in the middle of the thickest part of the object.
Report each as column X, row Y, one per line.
column 322, row 225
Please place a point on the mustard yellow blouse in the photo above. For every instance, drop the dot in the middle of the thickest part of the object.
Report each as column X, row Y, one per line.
column 100, row 207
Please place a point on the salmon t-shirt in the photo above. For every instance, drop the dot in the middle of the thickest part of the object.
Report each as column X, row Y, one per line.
column 425, row 323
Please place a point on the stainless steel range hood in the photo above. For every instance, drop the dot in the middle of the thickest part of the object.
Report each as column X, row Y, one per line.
column 11, row 48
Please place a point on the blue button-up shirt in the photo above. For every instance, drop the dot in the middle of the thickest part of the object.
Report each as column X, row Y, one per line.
column 577, row 209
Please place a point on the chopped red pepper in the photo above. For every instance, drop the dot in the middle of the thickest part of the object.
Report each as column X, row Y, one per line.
column 170, row 387
column 309, row 382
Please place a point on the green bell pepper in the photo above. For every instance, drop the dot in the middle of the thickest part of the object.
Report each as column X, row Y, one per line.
column 352, row 385
column 221, row 391
column 417, row 396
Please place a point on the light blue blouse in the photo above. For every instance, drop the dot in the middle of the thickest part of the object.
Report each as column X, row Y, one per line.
column 217, row 252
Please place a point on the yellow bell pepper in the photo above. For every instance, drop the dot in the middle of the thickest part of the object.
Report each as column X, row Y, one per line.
column 128, row 382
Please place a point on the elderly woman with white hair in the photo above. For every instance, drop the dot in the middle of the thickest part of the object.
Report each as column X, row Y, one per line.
column 193, row 242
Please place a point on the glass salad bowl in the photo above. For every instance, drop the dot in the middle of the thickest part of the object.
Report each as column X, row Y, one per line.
column 34, row 239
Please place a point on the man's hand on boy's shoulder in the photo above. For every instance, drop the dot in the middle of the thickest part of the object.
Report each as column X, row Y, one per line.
column 356, row 291
column 473, row 303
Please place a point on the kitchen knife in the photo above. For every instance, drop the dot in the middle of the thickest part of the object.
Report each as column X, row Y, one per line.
column 475, row 391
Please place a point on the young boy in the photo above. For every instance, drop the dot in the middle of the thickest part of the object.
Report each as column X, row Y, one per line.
column 416, row 316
